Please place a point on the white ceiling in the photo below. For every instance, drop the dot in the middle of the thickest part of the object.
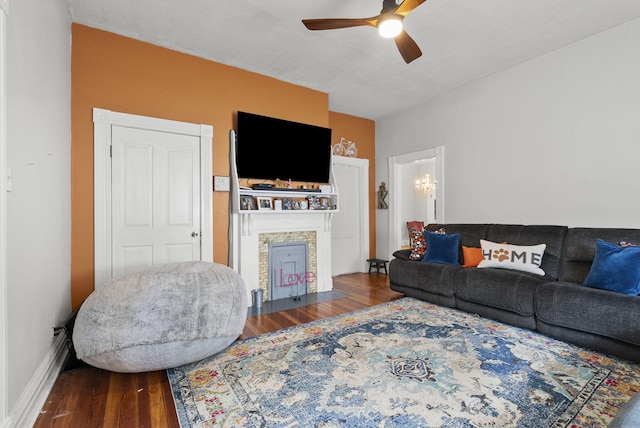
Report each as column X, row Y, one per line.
column 364, row 75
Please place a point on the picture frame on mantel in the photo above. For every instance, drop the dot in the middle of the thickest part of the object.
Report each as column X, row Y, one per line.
column 247, row 203
column 325, row 203
column 287, row 204
column 264, row 203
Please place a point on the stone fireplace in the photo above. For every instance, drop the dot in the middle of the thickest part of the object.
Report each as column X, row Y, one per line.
column 288, row 267
column 254, row 233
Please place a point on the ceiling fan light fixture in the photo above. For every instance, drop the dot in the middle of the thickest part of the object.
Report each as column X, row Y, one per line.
column 389, row 24
column 390, row 27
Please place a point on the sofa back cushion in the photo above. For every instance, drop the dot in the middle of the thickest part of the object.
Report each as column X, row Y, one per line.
column 470, row 234
column 552, row 236
column 580, row 249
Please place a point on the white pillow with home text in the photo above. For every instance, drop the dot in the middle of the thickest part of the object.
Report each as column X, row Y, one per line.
column 516, row 257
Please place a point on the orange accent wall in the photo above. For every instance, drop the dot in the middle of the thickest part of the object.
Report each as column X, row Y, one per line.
column 363, row 133
column 125, row 75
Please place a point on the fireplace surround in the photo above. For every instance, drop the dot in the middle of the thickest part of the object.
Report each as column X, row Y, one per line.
column 251, row 234
column 291, row 274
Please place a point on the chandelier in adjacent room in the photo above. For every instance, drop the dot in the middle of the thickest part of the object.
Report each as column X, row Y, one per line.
column 425, row 184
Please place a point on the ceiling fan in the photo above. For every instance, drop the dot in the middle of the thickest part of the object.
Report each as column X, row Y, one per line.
column 388, row 23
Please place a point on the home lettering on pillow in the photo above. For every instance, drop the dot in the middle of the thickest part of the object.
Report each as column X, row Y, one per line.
column 517, row 257
column 513, row 256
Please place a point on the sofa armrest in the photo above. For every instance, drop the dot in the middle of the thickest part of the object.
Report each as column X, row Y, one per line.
column 581, row 308
column 402, row 254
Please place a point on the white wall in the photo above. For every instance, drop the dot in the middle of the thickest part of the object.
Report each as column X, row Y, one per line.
column 555, row 140
column 38, row 207
column 4, row 6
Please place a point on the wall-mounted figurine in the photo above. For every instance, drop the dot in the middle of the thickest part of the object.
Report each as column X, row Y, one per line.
column 382, row 196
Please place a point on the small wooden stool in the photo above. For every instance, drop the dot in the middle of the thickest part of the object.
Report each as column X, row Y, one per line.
column 378, row 264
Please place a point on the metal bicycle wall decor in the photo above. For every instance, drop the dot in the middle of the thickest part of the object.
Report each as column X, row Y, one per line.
column 345, row 148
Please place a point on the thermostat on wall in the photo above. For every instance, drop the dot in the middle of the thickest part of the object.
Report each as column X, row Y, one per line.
column 220, row 184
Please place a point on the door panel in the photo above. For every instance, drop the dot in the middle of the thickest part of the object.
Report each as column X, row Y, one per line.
column 181, row 184
column 134, row 256
column 155, row 198
column 137, row 181
column 180, row 253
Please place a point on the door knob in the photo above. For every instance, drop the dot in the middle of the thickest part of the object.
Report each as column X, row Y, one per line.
column 194, row 234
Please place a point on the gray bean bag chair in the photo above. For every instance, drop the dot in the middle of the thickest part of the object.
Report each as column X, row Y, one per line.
column 162, row 317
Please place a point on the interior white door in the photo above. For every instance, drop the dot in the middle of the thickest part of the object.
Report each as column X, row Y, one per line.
column 155, row 198
column 345, row 227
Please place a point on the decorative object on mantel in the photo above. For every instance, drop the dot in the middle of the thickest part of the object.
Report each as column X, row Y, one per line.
column 382, row 196
column 426, row 185
column 345, row 148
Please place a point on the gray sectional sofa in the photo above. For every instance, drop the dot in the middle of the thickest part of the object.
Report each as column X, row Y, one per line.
column 556, row 304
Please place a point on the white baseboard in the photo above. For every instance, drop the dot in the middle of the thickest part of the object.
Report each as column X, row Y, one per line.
column 34, row 396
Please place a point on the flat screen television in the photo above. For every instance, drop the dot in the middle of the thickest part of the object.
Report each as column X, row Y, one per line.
column 268, row 149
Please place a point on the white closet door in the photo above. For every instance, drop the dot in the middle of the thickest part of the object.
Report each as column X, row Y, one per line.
column 155, row 198
column 345, row 227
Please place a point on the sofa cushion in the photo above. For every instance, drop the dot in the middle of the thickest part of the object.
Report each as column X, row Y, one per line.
column 431, row 277
column 552, row 236
column 470, row 234
column 402, row 254
column 442, row 248
column 419, row 245
column 508, row 290
column 580, row 249
column 615, row 268
column 526, row 258
column 471, row 256
column 591, row 310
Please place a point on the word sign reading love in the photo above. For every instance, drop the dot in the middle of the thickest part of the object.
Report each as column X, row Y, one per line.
column 289, row 279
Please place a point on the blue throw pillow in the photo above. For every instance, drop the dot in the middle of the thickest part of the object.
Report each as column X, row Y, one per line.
column 615, row 268
column 442, row 248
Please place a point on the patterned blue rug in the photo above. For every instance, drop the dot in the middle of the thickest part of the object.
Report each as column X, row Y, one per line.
column 405, row 363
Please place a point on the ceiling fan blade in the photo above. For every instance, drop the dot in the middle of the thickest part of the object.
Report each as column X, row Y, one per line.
column 333, row 23
column 408, row 47
column 407, row 6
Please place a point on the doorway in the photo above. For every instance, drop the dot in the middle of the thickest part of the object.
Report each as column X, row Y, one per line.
column 152, row 193
column 350, row 225
column 403, row 171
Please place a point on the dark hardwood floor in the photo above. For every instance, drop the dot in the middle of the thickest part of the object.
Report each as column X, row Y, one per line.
column 89, row 398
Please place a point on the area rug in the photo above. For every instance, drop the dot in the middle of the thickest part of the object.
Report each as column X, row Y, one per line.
column 405, row 363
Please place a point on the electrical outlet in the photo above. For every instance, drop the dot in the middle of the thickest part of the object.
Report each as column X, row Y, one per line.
column 220, row 184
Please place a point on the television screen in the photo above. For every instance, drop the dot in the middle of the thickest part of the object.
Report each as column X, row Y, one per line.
column 270, row 149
